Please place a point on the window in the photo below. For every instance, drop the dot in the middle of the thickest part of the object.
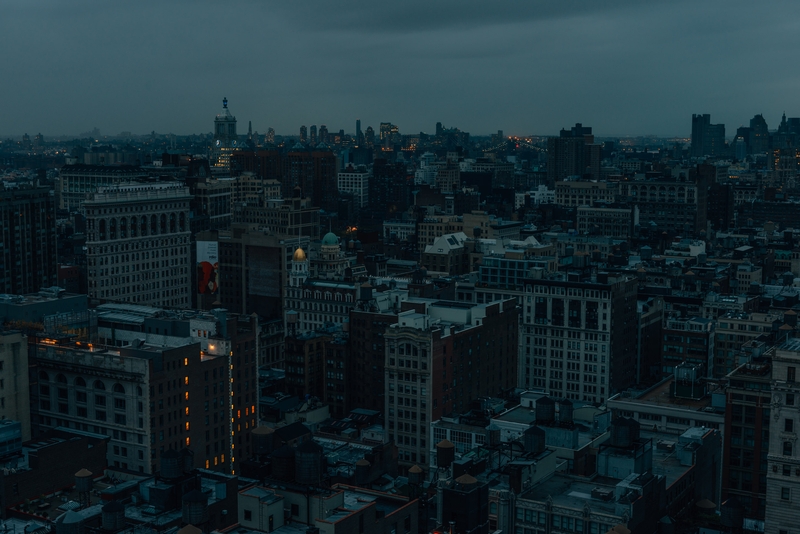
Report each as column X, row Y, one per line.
column 787, row 448
column 790, row 374
column 248, row 515
column 786, row 494
column 788, row 425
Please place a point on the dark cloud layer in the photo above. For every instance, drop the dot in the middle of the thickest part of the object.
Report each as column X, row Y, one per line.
column 622, row 66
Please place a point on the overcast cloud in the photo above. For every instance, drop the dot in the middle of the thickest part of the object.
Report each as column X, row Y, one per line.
column 526, row 67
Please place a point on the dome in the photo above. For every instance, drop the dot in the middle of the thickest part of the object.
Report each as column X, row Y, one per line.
column 299, row 255
column 330, row 239
column 415, row 469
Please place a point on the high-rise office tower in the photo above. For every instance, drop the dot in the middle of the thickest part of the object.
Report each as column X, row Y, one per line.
column 303, row 134
column 707, row 139
column 323, row 134
column 27, row 240
column 138, row 244
column 312, row 133
column 369, row 137
column 225, row 139
column 385, row 130
column 759, row 135
column 270, row 135
column 359, row 134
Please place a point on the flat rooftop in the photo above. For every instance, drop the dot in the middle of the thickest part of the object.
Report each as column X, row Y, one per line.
column 660, row 395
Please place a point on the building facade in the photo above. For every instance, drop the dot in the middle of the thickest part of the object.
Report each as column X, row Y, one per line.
column 579, row 336
column 783, row 469
column 440, row 356
column 27, row 240
column 138, row 244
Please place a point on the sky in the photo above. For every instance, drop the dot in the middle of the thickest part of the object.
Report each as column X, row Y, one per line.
column 532, row 67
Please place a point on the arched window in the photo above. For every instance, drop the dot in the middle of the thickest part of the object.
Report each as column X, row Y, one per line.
column 102, row 228
column 133, row 227
column 153, row 225
column 98, row 384
column 163, row 224
column 118, row 388
column 143, row 226
column 61, row 379
column 112, row 229
column 787, row 448
column 43, row 376
column 182, row 222
column 172, row 222
column 138, row 391
column 80, row 382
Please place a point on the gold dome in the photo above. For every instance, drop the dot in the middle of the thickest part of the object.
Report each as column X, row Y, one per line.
column 299, row 255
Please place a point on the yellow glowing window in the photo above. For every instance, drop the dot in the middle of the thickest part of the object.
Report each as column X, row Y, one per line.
column 239, row 413
column 186, row 380
column 246, row 411
column 187, row 426
column 187, row 442
column 187, row 410
column 208, row 464
column 222, row 458
column 186, row 395
column 185, row 362
column 216, row 460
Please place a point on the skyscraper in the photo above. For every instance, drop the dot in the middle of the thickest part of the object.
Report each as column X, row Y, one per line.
column 303, row 134
column 759, row 135
column 313, row 134
column 225, row 139
column 359, row 134
column 707, row 139
column 369, row 138
column 27, row 240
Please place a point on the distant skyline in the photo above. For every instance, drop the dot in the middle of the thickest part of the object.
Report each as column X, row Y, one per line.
column 624, row 67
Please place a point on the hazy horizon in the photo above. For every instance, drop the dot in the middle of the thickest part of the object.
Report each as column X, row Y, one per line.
column 623, row 67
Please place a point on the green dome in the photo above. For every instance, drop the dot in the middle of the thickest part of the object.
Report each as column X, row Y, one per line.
column 330, row 239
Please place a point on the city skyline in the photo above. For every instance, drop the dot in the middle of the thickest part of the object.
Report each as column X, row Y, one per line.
column 627, row 68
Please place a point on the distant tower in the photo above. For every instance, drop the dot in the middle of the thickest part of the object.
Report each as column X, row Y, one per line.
column 312, row 134
column 359, row 135
column 270, row 135
column 303, row 134
column 369, row 138
column 323, row 134
column 225, row 140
